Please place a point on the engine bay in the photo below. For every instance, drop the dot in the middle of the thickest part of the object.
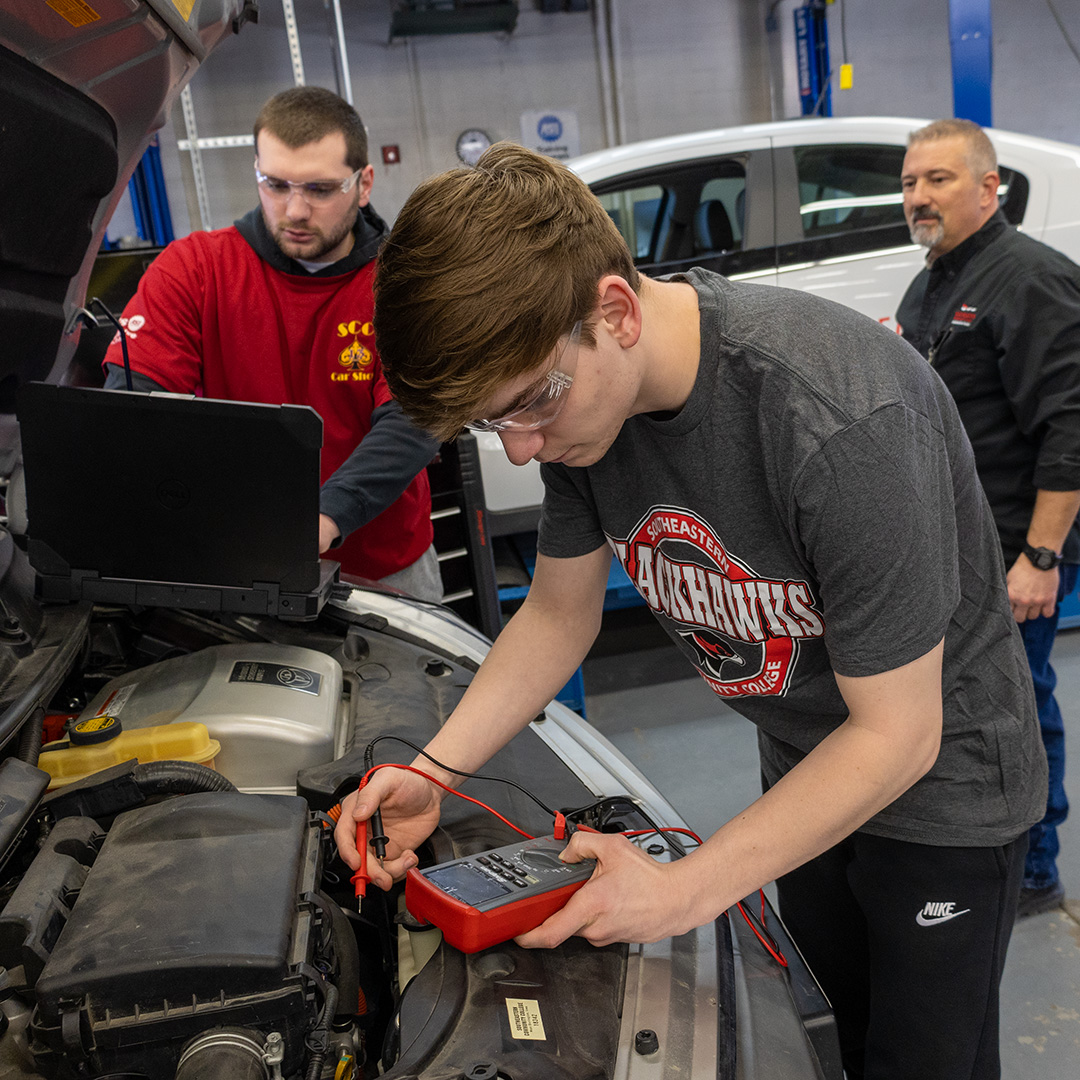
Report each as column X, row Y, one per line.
column 165, row 918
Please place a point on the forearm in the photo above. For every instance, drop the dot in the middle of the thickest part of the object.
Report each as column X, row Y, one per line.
column 531, row 660
column 379, row 469
column 1052, row 518
column 890, row 739
column 116, row 380
column 840, row 785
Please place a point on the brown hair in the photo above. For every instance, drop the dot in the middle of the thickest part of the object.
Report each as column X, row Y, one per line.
column 981, row 157
column 484, row 270
column 306, row 114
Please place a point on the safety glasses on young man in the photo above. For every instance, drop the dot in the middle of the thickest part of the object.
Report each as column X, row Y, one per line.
column 312, row 190
column 538, row 406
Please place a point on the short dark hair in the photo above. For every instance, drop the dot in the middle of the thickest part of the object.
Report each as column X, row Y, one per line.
column 306, row 114
column 484, row 271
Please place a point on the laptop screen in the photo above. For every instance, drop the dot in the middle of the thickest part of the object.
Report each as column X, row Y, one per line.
column 162, row 488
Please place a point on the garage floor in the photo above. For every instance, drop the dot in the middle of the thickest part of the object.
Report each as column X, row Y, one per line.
column 638, row 696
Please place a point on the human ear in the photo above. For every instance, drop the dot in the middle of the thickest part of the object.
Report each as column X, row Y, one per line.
column 364, row 182
column 620, row 309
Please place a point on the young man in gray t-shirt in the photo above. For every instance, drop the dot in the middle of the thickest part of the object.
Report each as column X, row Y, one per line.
column 788, row 486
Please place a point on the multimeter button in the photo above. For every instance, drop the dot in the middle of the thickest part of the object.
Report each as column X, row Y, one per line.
column 497, row 858
column 484, row 861
column 520, row 884
column 517, row 870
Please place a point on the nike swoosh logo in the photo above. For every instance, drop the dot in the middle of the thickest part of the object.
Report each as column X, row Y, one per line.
column 922, row 920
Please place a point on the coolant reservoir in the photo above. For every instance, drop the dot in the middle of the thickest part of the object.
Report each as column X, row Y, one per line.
column 273, row 708
column 69, row 760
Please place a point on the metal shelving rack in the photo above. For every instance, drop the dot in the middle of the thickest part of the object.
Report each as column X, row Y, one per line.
column 194, row 145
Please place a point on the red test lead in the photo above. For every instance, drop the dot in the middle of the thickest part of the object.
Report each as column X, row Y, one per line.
column 360, row 879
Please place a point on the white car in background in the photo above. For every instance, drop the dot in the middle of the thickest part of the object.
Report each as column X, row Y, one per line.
column 806, row 204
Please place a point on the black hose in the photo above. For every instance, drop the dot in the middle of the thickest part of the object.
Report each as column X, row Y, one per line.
column 30, row 738
column 178, row 778
column 319, row 1039
column 348, row 959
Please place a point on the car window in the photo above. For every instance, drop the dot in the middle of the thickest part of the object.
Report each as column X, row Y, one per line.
column 727, row 194
column 693, row 213
column 640, row 213
column 839, row 200
column 687, row 216
column 1013, row 193
column 844, row 189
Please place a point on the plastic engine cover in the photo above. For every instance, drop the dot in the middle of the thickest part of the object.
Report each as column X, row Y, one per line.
column 274, row 708
column 191, row 917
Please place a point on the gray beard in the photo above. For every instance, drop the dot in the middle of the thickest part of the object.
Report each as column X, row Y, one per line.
column 928, row 236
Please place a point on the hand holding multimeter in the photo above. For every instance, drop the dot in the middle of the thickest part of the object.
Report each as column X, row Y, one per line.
column 481, row 900
column 477, row 900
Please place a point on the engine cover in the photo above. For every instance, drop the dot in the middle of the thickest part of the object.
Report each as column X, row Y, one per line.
column 194, row 915
column 275, row 709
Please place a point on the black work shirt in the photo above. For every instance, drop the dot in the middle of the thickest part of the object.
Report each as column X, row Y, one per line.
column 999, row 319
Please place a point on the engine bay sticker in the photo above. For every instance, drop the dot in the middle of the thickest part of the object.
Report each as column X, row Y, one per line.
column 114, row 704
column 184, row 7
column 74, row 11
column 525, row 1019
column 292, row 678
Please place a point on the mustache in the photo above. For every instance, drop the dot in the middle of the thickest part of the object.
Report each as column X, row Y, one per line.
column 924, row 212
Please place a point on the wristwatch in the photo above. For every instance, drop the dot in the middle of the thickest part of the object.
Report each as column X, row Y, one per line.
column 1042, row 558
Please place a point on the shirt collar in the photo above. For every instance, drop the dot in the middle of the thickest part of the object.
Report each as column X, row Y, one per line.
column 952, row 262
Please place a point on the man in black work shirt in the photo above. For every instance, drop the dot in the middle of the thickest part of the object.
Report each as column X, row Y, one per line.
column 998, row 315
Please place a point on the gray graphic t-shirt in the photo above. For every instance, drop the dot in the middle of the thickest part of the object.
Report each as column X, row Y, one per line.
column 813, row 508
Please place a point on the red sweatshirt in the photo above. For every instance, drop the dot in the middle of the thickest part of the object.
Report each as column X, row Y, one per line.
column 212, row 316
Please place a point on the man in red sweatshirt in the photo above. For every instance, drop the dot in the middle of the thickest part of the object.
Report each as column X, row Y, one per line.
column 278, row 308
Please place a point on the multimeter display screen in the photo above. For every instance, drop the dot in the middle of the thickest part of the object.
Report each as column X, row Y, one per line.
column 467, row 884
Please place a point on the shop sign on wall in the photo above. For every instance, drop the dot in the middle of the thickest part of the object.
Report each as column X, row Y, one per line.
column 553, row 132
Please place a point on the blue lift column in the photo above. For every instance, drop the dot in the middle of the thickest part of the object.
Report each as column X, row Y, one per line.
column 972, row 60
column 812, row 56
column 149, row 202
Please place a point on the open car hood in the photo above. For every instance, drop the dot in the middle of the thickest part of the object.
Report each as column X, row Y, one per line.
column 83, row 88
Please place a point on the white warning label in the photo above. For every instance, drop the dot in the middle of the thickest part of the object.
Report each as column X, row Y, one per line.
column 525, row 1019
column 114, row 704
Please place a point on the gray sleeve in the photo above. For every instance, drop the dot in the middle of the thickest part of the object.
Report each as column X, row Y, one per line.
column 875, row 512
column 114, row 380
column 569, row 525
column 376, row 473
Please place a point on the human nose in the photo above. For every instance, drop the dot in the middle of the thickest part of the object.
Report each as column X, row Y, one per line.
column 521, row 446
column 917, row 194
column 296, row 205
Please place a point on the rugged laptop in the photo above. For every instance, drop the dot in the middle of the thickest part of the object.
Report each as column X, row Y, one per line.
column 170, row 500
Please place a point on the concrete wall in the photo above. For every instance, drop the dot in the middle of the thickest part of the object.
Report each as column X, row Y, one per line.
column 630, row 69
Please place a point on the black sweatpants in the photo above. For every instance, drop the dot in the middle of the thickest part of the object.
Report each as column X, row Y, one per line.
column 908, row 942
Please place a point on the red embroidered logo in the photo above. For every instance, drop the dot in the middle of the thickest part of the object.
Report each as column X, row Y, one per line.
column 964, row 315
column 742, row 630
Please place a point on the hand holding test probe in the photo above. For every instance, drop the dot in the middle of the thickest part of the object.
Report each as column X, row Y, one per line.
column 408, row 811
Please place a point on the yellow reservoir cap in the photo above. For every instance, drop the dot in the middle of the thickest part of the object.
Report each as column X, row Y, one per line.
column 184, row 741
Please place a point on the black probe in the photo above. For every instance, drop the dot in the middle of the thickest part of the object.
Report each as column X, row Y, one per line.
column 378, row 837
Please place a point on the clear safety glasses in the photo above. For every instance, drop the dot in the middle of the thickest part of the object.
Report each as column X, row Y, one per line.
column 542, row 404
column 312, row 190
